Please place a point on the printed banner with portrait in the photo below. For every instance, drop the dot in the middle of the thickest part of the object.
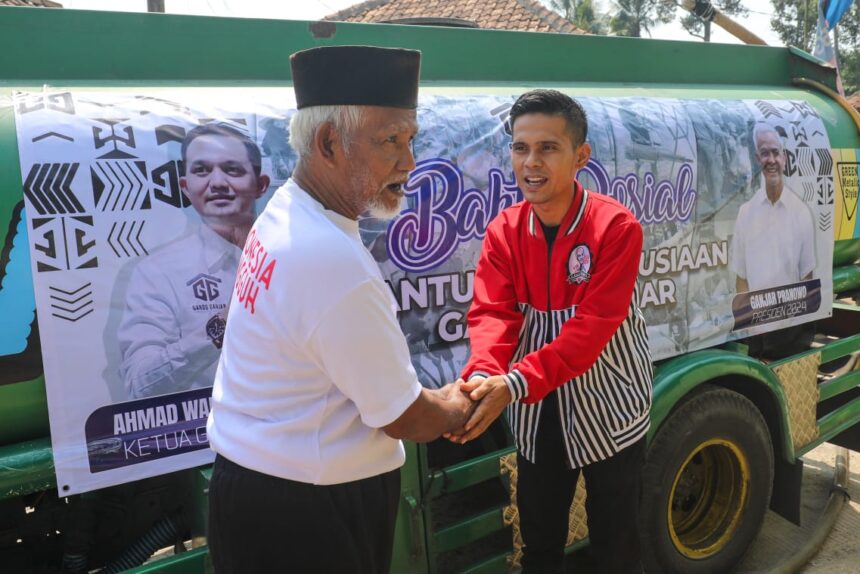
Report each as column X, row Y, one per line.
column 133, row 265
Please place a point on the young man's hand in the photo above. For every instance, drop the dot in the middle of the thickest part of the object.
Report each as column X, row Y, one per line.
column 494, row 396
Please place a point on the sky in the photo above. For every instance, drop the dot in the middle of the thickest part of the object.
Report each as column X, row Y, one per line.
column 758, row 20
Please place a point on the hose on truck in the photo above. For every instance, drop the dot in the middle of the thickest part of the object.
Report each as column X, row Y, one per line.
column 838, row 496
column 163, row 533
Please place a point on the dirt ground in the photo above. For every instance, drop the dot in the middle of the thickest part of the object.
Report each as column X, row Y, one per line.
column 779, row 538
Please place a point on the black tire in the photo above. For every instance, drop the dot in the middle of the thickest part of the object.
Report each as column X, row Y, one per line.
column 707, row 451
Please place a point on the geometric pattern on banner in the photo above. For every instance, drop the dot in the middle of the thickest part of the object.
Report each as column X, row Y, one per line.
column 803, row 108
column 119, row 185
column 48, row 188
column 175, row 106
column 240, row 124
column 62, row 102
column 825, row 191
column 71, row 305
column 791, row 163
column 799, row 135
column 825, row 220
column 124, row 239
column 806, row 162
column 809, row 191
column 169, row 133
column 118, row 135
column 767, row 109
column 165, row 184
column 47, row 135
column 503, row 113
column 825, row 161
column 849, row 182
column 64, row 243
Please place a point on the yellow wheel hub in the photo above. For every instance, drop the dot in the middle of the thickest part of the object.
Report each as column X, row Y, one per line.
column 708, row 496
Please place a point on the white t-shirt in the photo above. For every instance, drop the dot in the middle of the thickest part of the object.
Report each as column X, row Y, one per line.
column 314, row 362
column 774, row 243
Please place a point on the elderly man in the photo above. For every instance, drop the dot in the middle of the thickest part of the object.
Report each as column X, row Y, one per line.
column 315, row 387
column 173, row 323
column 558, row 338
column 774, row 242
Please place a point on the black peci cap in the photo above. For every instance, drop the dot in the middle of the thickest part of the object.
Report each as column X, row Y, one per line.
column 356, row 76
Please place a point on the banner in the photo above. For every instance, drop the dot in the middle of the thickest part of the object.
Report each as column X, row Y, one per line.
column 132, row 273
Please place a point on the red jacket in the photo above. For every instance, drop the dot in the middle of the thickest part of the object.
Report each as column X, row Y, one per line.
column 585, row 302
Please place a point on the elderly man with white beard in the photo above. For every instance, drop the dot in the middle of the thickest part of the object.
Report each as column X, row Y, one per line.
column 315, row 388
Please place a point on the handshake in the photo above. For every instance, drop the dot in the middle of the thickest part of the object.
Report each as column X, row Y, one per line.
column 474, row 405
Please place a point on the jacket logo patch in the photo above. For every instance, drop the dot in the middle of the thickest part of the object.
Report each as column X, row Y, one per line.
column 579, row 264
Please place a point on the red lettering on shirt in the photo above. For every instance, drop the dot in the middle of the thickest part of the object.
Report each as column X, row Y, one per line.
column 249, row 296
column 255, row 268
column 266, row 276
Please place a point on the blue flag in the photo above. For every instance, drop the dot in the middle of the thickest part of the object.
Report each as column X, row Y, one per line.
column 823, row 47
column 834, row 10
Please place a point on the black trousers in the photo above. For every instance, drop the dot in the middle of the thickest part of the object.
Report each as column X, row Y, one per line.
column 268, row 525
column 545, row 491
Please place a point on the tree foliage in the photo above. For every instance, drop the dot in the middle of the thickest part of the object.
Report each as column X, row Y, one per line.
column 699, row 28
column 635, row 17
column 794, row 21
column 584, row 14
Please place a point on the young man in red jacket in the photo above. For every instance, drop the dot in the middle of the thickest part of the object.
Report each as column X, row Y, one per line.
column 558, row 339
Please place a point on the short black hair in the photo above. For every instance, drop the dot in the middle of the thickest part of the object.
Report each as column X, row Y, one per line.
column 553, row 103
column 224, row 130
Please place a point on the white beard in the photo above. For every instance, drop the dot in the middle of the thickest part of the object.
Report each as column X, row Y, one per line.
column 383, row 212
column 375, row 208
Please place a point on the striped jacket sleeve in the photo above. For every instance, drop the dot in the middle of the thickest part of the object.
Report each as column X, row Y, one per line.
column 598, row 316
column 494, row 319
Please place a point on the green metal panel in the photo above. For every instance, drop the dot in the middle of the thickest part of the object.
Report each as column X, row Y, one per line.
column 494, row 564
column 839, row 385
column 23, row 404
column 469, row 530
column 846, row 278
column 676, row 377
column 143, row 47
column 840, row 348
column 845, row 252
column 834, row 423
column 829, row 352
column 465, row 474
column 10, row 177
column 409, row 535
column 26, row 467
column 24, row 411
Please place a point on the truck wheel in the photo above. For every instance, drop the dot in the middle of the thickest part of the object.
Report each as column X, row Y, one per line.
column 706, row 485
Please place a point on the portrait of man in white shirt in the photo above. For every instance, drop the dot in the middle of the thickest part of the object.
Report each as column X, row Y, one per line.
column 173, row 322
column 774, row 235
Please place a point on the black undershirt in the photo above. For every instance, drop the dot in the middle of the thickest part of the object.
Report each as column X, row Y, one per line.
column 550, row 443
column 550, row 232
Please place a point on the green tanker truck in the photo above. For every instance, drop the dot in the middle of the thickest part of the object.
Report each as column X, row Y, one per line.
column 106, row 351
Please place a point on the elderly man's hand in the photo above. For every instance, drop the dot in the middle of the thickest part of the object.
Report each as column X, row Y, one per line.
column 494, row 396
column 461, row 405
